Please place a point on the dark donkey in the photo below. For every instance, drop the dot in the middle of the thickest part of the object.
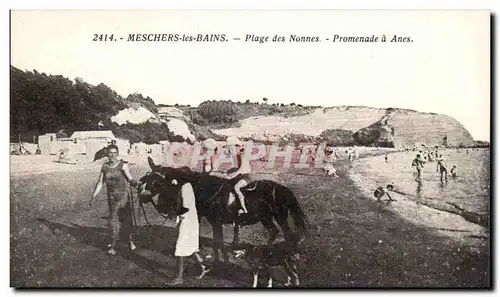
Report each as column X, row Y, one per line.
column 265, row 200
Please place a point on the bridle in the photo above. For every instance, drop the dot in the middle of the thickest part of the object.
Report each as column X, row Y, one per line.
column 141, row 203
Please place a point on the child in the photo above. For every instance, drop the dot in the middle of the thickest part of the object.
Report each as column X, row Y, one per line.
column 381, row 191
column 330, row 170
column 418, row 163
column 241, row 176
column 454, row 171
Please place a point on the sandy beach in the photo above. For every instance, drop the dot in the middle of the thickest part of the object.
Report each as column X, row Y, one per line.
column 437, row 217
column 57, row 240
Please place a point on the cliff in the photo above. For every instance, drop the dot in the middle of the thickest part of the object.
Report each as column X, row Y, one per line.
column 389, row 127
column 415, row 127
column 42, row 103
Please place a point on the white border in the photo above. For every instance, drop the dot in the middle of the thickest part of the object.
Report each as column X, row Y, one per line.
column 190, row 4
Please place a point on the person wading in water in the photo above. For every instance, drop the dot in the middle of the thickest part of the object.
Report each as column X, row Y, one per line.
column 442, row 168
column 418, row 163
column 454, row 171
column 116, row 175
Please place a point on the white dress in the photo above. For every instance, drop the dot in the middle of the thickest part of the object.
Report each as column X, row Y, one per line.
column 188, row 236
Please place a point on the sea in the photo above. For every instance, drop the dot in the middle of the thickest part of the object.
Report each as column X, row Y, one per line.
column 469, row 190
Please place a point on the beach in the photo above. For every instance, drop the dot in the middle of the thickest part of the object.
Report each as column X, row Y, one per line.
column 57, row 240
column 449, row 208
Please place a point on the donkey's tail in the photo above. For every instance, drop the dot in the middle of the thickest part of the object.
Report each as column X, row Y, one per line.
column 296, row 212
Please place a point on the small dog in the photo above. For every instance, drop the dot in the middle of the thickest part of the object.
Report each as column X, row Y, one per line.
column 262, row 257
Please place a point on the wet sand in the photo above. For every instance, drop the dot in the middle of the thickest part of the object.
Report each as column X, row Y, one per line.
column 446, row 221
column 57, row 240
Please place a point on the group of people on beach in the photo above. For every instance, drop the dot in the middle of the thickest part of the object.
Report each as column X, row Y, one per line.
column 418, row 163
column 116, row 177
column 428, row 156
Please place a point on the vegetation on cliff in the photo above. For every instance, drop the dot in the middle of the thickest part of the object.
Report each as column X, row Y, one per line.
column 42, row 103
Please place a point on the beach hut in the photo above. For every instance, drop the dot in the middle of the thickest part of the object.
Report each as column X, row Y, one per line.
column 101, row 135
column 47, row 143
column 92, row 141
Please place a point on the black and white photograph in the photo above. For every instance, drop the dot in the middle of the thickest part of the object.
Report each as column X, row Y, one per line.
column 250, row 149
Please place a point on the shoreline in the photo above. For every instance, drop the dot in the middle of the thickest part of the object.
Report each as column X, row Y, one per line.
column 30, row 165
column 437, row 220
column 353, row 242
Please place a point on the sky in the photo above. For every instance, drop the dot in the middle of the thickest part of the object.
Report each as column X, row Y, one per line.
column 445, row 69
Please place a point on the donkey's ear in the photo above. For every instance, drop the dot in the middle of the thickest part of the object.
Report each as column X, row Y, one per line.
column 152, row 164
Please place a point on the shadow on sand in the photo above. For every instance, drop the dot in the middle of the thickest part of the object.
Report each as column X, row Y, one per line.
column 155, row 250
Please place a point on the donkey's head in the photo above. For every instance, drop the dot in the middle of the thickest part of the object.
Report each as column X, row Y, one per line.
column 152, row 183
column 164, row 182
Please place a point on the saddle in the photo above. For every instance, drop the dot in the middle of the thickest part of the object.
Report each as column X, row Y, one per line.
column 223, row 194
column 227, row 196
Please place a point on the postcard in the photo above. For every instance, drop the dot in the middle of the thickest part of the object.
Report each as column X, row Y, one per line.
column 250, row 148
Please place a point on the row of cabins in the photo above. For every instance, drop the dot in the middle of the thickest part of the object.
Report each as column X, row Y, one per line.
column 80, row 143
column 89, row 142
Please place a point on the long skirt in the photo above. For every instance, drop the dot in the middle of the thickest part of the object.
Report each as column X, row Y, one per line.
column 188, row 232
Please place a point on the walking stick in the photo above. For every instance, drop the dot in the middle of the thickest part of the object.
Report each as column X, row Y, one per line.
column 134, row 219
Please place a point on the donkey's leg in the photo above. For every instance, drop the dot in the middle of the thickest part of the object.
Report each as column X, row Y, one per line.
column 219, row 241
column 236, row 236
column 217, row 238
column 289, row 273
column 225, row 252
column 271, row 228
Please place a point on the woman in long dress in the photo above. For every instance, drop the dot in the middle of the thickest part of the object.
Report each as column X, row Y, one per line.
column 188, row 234
column 116, row 175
